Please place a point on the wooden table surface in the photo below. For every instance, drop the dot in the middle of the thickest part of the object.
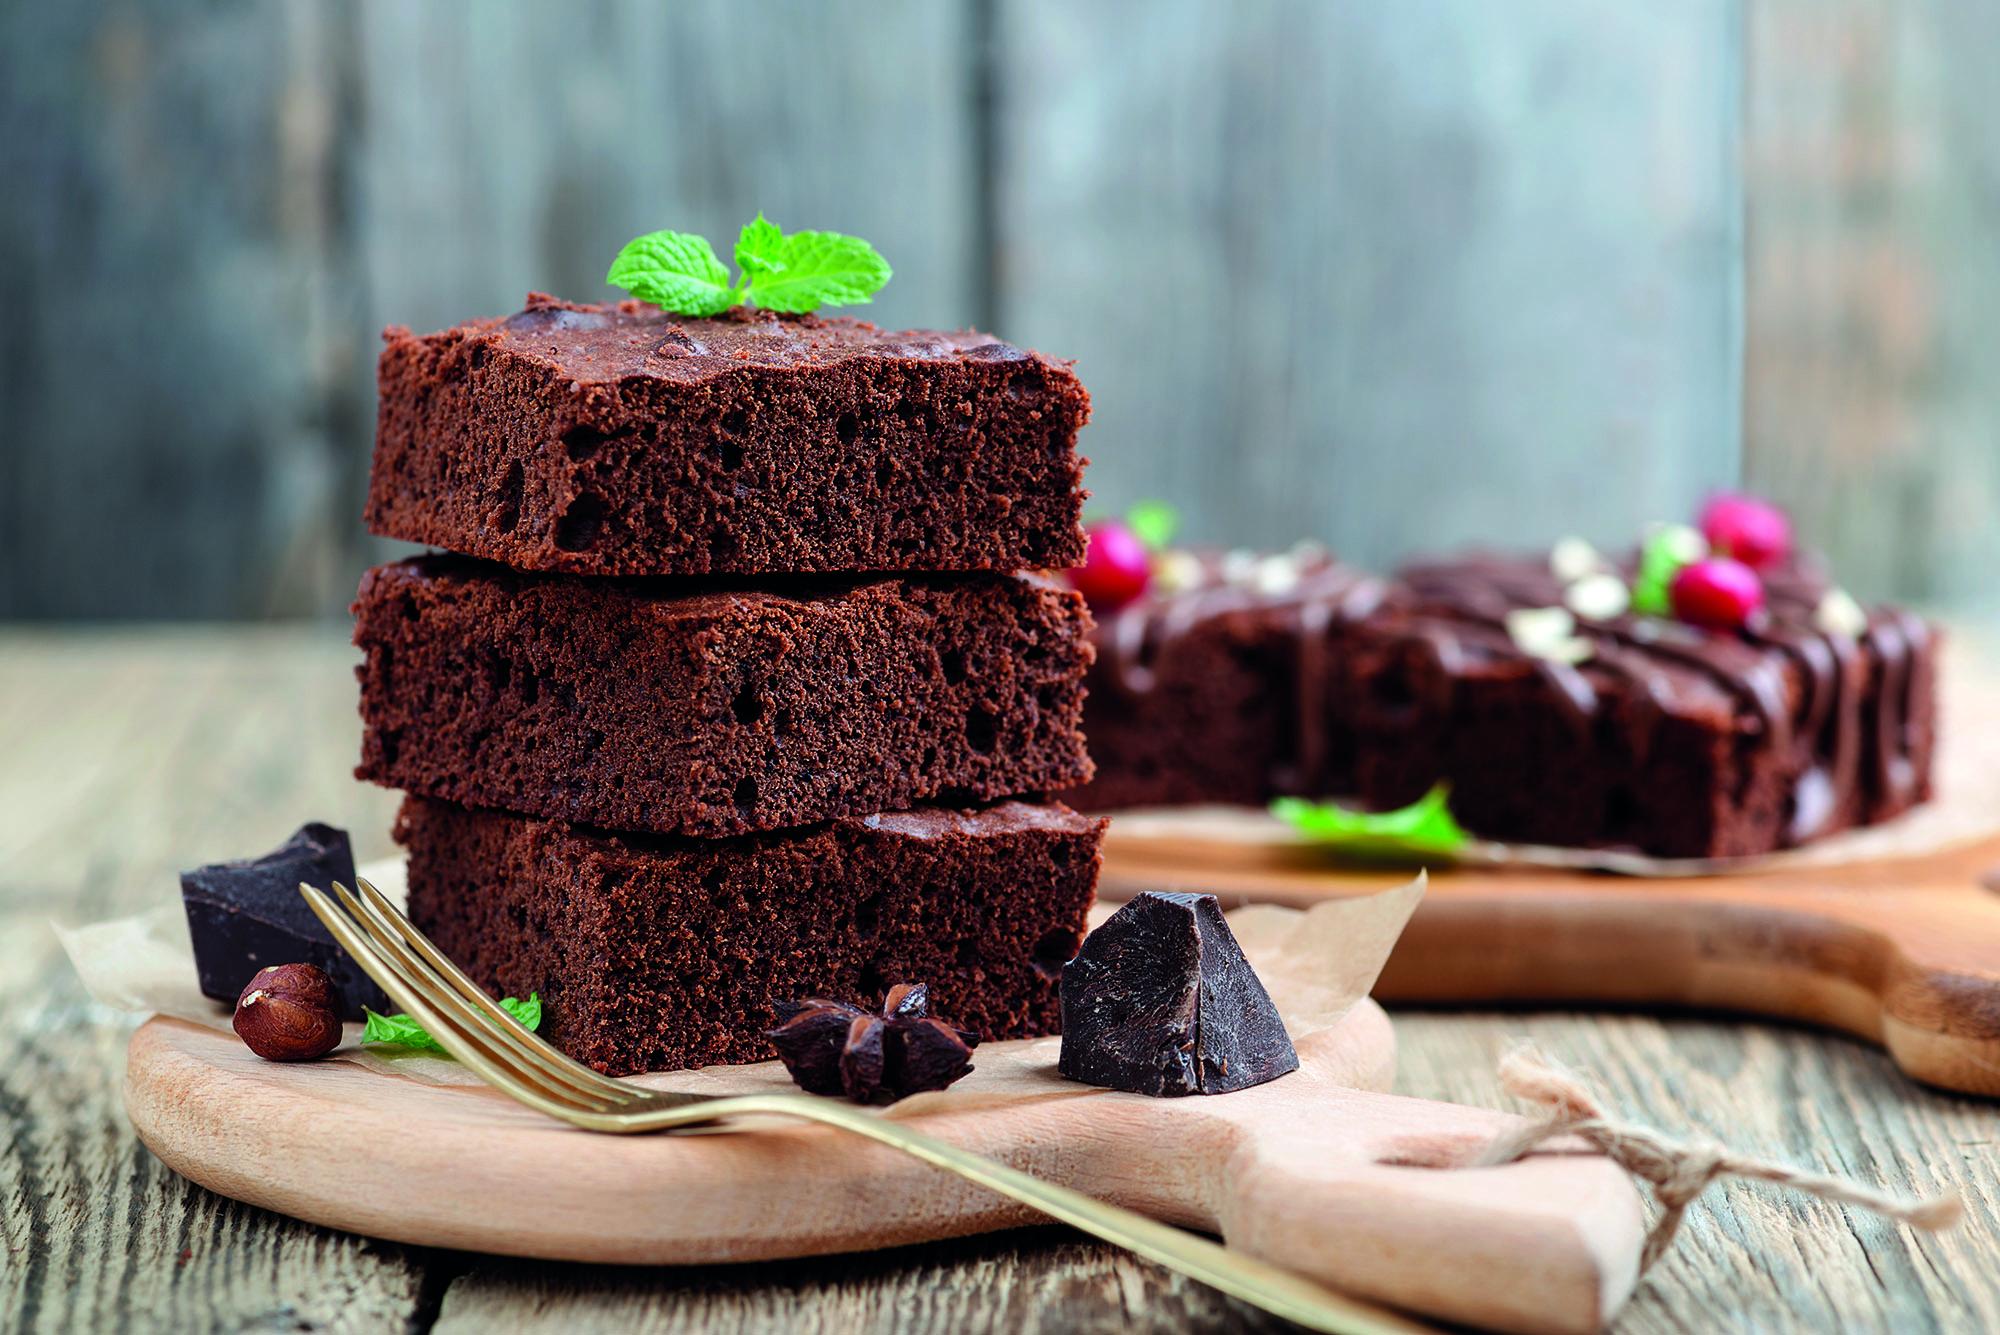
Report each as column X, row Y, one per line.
column 125, row 755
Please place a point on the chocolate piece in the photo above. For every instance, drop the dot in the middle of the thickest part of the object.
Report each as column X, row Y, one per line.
column 830, row 1047
column 618, row 440
column 1161, row 1001
column 248, row 915
column 653, row 706
column 653, row 953
column 1669, row 739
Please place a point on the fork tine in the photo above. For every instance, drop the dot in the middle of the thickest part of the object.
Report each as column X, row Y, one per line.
column 471, row 1020
column 525, row 1041
column 477, row 1053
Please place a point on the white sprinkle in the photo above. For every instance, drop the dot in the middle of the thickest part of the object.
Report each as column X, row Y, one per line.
column 1572, row 559
column 1276, row 576
column 1239, row 565
column 1839, row 614
column 1177, row 571
column 1547, row 632
column 1598, row 597
column 1682, row 543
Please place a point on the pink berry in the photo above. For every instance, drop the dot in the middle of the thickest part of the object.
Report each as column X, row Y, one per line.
column 1115, row 569
column 1717, row 592
column 1754, row 532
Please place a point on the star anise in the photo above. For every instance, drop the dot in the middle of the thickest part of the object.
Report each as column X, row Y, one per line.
column 831, row 1047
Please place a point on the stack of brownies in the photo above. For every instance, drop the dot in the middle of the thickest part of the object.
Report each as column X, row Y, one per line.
column 738, row 684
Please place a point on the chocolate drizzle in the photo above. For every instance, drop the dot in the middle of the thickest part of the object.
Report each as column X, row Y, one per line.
column 1800, row 687
column 1838, row 709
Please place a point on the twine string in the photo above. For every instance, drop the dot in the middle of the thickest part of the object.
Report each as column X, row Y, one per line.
column 1677, row 1170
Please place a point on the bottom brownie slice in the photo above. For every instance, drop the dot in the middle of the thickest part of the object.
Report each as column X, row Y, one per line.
column 654, row 953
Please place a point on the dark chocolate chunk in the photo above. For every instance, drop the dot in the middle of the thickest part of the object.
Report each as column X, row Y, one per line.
column 1161, row 1001
column 248, row 915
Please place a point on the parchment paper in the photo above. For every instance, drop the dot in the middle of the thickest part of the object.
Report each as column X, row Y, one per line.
column 1315, row 963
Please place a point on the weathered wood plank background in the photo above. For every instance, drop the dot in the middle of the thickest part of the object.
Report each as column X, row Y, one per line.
column 1394, row 276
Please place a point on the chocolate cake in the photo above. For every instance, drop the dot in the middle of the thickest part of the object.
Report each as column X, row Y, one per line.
column 1666, row 738
column 1214, row 690
column 619, row 440
column 717, row 710
column 657, row 953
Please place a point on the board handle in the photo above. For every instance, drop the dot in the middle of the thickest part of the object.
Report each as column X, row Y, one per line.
column 1546, row 1244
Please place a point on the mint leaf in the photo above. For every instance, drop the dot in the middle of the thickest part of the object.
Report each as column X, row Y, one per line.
column 817, row 268
column 760, row 248
column 1666, row 549
column 405, row 1032
column 676, row 271
column 1425, row 828
column 1154, row 523
column 679, row 272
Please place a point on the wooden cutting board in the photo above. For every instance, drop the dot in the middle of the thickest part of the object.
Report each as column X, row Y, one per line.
column 1318, row 1171
column 1901, row 950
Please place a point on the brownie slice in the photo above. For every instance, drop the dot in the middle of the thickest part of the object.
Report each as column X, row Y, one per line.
column 654, row 954
column 619, row 440
column 1212, row 690
column 658, row 707
column 1668, row 739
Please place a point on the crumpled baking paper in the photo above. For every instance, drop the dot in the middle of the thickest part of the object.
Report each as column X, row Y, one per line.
column 1316, row 963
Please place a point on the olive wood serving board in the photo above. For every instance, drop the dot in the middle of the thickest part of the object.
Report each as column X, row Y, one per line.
column 1318, row 1171
column 1903, row 951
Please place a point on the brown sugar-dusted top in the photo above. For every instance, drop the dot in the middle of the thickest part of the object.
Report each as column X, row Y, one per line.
column 620, row 440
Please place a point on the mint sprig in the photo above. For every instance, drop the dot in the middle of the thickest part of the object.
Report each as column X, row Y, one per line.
column 1154, row 523
column 795, row 274
column 405, row 1032
column 1666, row 549
column 1425, row 828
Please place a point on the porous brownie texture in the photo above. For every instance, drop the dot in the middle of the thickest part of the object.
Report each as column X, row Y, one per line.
column 657, row 954
column 1668, row 739
column 619, row 440
column 648, row 705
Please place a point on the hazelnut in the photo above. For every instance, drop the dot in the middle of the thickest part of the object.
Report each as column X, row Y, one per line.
column 289, row 1013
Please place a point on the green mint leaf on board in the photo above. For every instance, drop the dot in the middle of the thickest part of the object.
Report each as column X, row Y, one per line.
column 1425, row 828
column 1154, row 523
column 796, row 274
column 760, row 248
column 405, row 1032
column 676, row 271
column 820, row 268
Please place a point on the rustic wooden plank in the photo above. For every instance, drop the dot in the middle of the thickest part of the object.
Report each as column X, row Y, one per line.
column 129, row 757
column 1872, row 285
column 1036, row 1279
column 98, row 1235
column 1394, row 277
column 132, row 753
column 1751, row 1257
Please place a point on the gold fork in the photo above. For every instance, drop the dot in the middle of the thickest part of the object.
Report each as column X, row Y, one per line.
column 488, row 1041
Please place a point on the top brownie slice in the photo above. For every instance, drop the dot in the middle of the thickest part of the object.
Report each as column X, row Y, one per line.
column 619, row 440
